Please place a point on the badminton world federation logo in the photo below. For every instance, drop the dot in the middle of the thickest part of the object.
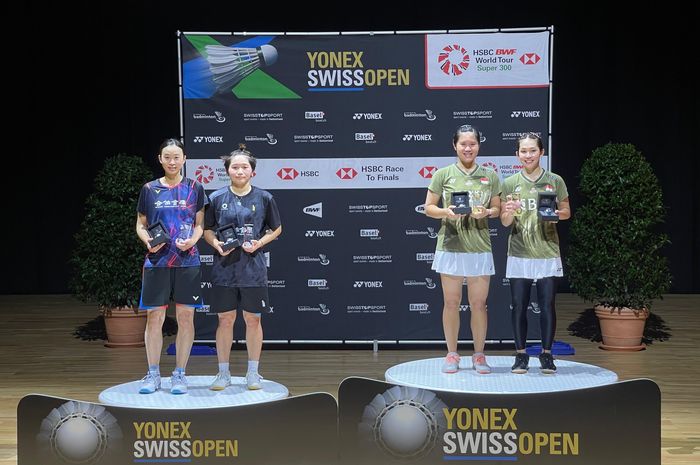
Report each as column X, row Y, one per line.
column 204, row 174
column 453, row 60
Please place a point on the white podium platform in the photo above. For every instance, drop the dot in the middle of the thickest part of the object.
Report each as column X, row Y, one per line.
column 198, row 396
column 426, row 374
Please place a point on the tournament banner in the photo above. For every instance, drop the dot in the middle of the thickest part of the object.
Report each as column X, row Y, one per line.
column 348, row 130
column 383, row 423
column 296, row 430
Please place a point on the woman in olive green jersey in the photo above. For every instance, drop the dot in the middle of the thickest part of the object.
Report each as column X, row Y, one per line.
column 464, row 246
column 533, row 247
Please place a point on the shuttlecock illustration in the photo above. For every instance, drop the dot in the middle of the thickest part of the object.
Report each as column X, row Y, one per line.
column 230, row 65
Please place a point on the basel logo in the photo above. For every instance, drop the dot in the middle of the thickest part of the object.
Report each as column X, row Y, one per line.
column 346, row 173
column 204, row 174
column 287, row 173
column 453, row 60
column 427, row 171
column 529, row 58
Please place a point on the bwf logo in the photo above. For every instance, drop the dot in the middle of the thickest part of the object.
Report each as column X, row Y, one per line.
column 314, row 210
column 368, row 284
column 417, row 137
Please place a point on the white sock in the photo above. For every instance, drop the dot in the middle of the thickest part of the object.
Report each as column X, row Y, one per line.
column 252, row 366
column 223, row 366
column 154, row 369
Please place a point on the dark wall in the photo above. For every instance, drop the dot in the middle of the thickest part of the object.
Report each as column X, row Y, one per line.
column 92, row 80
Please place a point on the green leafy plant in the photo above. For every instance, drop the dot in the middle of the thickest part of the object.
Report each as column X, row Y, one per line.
column 108, row 256
column 614, row 254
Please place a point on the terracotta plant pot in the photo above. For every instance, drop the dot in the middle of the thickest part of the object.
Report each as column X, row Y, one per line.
column 125, row 328
column 622, row 328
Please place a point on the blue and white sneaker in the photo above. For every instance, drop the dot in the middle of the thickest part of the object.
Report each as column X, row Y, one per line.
column 178, row 383
column 150, row 383
column 221, row 382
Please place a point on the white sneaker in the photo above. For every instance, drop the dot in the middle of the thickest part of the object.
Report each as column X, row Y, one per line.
column 451, row 364
column 150, row 383
column 222, row 380
column 253, row 380
column 178, row 383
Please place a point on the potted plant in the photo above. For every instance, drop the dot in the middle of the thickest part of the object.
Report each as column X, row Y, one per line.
column 108, row 256
column 614, row 255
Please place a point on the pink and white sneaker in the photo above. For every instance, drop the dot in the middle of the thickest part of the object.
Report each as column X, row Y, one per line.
column 479, row 364
column 451, row 364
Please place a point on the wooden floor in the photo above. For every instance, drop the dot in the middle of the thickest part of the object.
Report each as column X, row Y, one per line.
column 39, row 355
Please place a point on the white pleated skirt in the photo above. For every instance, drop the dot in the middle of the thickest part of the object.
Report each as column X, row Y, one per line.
column 533, row 268
column 464, row 264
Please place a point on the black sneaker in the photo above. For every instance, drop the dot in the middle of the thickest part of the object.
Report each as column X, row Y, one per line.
column 521, row 363
column 547, row 363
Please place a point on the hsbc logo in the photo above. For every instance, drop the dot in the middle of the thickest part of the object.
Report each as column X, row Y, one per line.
column 427, row 171
column 525, row 114
column 417, row 137
column 368, row 284
column 346, row 173
column 204, row 174
column 367, row 116
column 321, row 233
column 529, row 58
column 208, row 139
column 287, row 174
column 314, row 210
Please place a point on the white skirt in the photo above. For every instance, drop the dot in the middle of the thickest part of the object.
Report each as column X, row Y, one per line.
column 464, row 264
column 533, row 268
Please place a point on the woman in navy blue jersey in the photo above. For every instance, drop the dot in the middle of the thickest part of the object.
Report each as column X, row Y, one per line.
column 239, row 275
column 171, row 268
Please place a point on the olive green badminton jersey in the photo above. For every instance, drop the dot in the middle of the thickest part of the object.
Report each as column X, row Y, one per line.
column 530, row 237
column 465, row 234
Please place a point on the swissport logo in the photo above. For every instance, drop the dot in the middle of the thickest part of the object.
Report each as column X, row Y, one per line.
column 287, row 174
column 453, row 60
column 204, row 174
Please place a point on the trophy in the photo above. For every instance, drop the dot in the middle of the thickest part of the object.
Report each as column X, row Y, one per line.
column 227, row 235
column 461, row 202
column 546, row 206
column 159, row 234
column 476, row 201
column 185, row 232
column 247, row 235
column 515, row 196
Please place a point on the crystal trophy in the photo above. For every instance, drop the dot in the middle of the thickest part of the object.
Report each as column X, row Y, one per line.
column 461, row 202
column 227, row 234
column 247, row 236
column 547, row 206
column 159, row 234
column 185, row 232
column 476, row 201
column 515, row 197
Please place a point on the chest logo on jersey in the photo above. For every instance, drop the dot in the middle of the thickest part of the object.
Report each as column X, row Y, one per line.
column 451, row 181
column 224, row 206
column 517, row 188
column 549, row 188
column 485, row 181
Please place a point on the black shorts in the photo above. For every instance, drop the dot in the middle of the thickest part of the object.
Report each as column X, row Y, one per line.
column 248, row 299
column 161, row 284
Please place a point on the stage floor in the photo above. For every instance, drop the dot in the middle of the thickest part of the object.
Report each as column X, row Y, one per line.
column 198, row 394
column 426, row 374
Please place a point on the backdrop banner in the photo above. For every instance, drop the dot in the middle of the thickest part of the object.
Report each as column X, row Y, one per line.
column 348, row 130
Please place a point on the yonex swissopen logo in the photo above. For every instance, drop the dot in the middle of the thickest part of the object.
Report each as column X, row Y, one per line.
column 453, row 60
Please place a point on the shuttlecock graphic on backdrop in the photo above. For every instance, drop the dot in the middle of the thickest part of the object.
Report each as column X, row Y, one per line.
column 230, row 65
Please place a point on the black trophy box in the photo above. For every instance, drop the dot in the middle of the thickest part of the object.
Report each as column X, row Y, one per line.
column 227, row 235
column 547, row 206
column 159, row 234
column 461, row 202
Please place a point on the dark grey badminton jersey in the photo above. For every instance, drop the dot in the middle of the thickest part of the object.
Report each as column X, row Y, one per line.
column 258, row 207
